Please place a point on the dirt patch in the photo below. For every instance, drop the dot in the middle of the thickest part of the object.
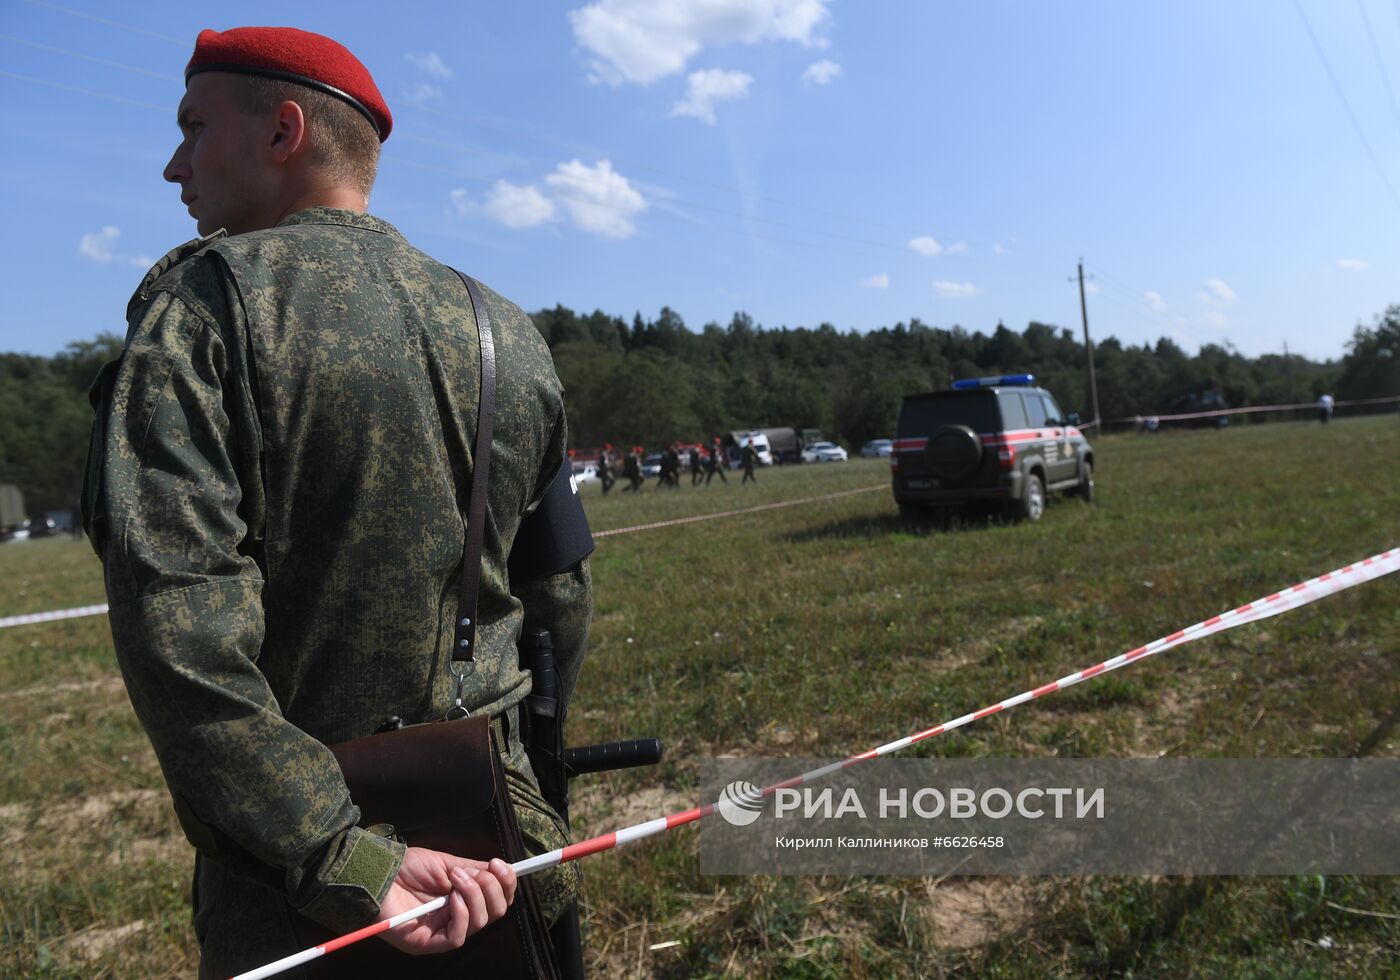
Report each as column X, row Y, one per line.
column 73, row 819
column 1161, row 728
column 69, row 821
column 594, row 810
column 92, row 942
column 970, row 912
column 106, row 684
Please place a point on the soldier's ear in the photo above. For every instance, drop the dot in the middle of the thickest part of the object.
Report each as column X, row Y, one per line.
column 289, row 132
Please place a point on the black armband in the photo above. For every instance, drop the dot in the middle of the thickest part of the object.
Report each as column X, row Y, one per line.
column 555, row 537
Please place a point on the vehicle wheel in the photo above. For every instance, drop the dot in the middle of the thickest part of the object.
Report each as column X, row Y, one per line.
column 1085, row 490
column 1032, row 502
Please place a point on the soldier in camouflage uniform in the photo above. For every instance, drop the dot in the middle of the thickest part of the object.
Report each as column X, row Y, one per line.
column 716, row 463
column 277, row 486
column 695, row 475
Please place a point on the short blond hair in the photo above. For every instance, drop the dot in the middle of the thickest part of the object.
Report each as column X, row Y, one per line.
column 343, row 142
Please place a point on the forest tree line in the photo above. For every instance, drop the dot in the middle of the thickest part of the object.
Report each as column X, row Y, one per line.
column 650, row 382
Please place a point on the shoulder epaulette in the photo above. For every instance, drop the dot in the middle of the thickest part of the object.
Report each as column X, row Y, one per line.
column 169, row 261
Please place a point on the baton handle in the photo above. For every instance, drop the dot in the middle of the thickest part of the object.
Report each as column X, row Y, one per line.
column 612, row 755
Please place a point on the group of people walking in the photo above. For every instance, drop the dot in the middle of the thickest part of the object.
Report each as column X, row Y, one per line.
column 703, row 462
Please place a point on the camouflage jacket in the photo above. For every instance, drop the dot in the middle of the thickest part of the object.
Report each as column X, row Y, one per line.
column 277, row 486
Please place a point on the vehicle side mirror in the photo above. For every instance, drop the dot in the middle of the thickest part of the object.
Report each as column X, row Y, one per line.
column 1072, row 418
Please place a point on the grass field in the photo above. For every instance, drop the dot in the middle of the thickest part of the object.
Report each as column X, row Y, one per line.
column 822, row 629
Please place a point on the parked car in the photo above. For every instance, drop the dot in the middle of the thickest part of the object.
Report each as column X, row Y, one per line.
column 1002, row 441
column 585, row 472
column 877, row 448
column 651, row 464
column 823, row 452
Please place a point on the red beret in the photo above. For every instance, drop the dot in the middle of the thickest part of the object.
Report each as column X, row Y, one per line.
column 313, row 60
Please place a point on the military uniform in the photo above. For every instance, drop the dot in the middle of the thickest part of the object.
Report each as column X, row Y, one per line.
column 632, row 471
column 277, row 486
column 716, row 464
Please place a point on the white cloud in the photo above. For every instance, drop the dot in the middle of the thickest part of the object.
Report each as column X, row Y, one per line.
column 957, row 248
column 517, row 206
column 640, row 41
column 599, row 199
column 821, row 73
column 999, row 249
column 97, row 245
column 1217, row 291
column 461, row 203
column 431, row 64
column 420, row 93
column 1155, row 303
column 954, row 290
column 708, row 87
column 1353, row 265
column 925, row 245
column 1091, row 289
column 881, row 280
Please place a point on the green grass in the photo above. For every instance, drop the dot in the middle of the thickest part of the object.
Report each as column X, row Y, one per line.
column 824, row 629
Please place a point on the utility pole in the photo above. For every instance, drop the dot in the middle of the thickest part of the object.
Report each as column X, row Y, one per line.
column 1288, row 371
column 1088, row 346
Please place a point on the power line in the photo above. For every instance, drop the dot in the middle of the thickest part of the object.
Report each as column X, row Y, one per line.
column 516, row 133
column 87, row 57
column 1380, row 62
column 675, row 205
column 1355, row 123
column 1126, row 288
column 182, row 42
column 86, row 91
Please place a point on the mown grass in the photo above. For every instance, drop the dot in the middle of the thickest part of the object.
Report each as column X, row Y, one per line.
column 823, row 629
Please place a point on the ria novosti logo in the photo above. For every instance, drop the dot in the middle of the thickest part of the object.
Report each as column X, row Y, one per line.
column 740, row 803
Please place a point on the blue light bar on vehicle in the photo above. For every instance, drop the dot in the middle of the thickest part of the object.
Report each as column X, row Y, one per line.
column 1000, row 379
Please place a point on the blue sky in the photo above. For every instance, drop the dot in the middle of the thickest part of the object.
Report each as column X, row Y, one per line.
column 801, row 160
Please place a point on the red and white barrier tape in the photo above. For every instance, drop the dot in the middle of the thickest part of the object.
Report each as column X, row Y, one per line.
column 1250, row 410
column 734, row 513
column 45, row 617
column 1271, row 605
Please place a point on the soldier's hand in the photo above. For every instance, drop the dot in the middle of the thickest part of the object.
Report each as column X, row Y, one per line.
column 480, row 894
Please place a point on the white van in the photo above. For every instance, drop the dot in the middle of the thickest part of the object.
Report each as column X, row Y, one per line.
column 760, row 443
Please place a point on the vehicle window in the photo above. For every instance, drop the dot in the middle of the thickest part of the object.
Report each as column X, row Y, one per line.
column 922, row 416
column 1053, row 408
column 1040, row 412
column 1013, row 410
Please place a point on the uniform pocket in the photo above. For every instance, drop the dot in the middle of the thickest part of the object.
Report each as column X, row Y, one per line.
column 93, row 507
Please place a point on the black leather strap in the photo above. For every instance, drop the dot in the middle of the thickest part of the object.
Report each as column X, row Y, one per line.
column 464, row 642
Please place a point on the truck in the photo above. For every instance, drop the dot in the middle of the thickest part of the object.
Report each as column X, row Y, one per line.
column 735, row 442
column 785, row 444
